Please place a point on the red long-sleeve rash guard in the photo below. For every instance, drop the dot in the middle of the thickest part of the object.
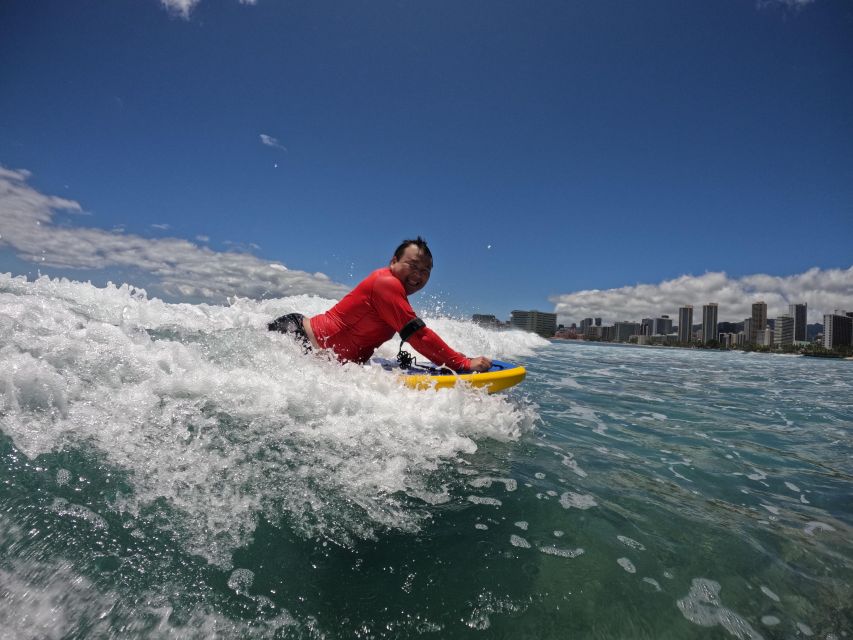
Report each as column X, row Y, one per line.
column 369, row 315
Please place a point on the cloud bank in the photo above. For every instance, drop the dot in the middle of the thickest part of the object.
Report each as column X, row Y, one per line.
column 182, row 269
column 824, row 290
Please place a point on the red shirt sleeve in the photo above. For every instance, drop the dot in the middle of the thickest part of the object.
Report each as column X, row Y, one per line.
column 427, row 342
column 392, row 305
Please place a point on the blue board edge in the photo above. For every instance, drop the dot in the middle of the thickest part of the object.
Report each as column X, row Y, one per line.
column 391, row 365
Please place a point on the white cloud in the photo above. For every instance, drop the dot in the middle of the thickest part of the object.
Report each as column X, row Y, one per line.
column 824, row 290
column 161, row 227
column 272, row 142
column 183, row 269
column 180, row 7
column 183, row 8
column 791, row 4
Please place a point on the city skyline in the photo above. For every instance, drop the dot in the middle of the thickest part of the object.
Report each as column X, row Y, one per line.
column 820, row 291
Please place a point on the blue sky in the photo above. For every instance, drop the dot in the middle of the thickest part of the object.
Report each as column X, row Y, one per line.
column 544, row 149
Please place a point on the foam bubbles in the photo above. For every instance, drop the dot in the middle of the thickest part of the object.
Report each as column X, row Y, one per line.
column 767, row 592
column 518, row 541
column 702, row 606
column 240, row 580
column 571, row 500
column 652, row 582
column 561, row 552
column 62, row 477
column 485, row 500
column 630, row 542
column 627, row 565
column 805, row 629
column 62, row 507
column 510, row 484
column 814, row 526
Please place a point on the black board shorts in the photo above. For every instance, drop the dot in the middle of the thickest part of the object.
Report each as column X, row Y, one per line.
column 291, row 324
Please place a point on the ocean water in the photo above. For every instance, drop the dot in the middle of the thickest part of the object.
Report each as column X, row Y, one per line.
column 176, row 471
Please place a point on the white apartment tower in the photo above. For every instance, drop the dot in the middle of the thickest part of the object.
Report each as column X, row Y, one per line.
column 784, row 332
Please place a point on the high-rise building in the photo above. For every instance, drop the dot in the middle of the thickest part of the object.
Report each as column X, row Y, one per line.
column 485, row 320
column 799, row 313
column 784, row 332
column 759, row 320
column 541, row 322
column 685, row 324
column 662, row 326
column 593, row 332
column 709, row 322
column 647, row 325
column 598, row 322
column 837, row 329
column 585, row 323
column 622, row 331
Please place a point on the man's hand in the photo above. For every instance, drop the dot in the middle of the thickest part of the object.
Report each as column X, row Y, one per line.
column 480, row 363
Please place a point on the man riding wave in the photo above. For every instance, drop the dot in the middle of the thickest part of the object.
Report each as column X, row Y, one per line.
column 376, row 309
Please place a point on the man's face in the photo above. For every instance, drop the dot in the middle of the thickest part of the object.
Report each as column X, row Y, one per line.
column 412, row 269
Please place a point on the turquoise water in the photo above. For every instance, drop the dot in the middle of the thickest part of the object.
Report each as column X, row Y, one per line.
column 175, row 471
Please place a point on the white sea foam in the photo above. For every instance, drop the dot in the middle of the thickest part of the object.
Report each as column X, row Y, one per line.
column 240, row 580
column 510, row 484
column 767, row 592
column 630, row 542
column 62, row 477
column 702, row 606
column 563, row 553
column 805, row 629
column 627, row 565
column 49, row 599
column 570, row 462
column 203, row 408
column 521, row 524
column 518, row 541
column 814, row 525
column 652, row 582
column 570, row 500
column 62, row 507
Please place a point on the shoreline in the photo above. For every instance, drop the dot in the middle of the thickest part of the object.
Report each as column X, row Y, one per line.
column 826, row 356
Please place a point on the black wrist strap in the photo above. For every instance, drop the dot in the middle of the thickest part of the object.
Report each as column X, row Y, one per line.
column 410, row 327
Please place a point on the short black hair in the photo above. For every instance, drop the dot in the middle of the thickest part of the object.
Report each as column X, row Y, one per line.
column 419, row 242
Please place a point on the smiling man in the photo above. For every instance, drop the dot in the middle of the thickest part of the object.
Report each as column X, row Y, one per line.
column 375, row 310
